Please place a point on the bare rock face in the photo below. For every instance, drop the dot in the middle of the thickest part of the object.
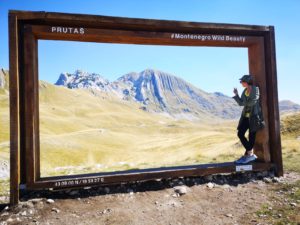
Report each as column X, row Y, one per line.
column 3, row 78
column 81, row 79
column 162, row 92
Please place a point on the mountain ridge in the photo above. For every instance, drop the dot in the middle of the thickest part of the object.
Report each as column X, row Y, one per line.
column 159, row 92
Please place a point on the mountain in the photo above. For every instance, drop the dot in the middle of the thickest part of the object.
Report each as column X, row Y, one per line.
column 158, row 92
column 288, row 106
column 81, row 79
column 3, row 78
column 162, row 92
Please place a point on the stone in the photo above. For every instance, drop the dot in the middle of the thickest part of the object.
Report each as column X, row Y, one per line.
column 106, row 190
column 74, row 192
column 208, row 178
column 50, row 201
column 181, row 190
column 210, row 185
column 271, row 174
column 130, row 191
column 229, row 215
column 27, row 204
column 276, row 180
column 262, row 174
column 10, row 220
column 293, row 204
column 226, row 186
column 36, row 200
column 55, row 210
column 5, row 214
column 267, row 180
column 175, row 195
column 106, row 211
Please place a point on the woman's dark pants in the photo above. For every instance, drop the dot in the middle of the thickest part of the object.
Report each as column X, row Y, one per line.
column 248, row 144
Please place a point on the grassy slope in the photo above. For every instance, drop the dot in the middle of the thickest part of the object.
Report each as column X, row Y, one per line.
column 114, row 135
column 4, row 120
column 290, row 128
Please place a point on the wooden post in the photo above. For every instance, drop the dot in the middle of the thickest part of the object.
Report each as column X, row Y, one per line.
column 257, row 69
column 274, row 116
column 14, row 109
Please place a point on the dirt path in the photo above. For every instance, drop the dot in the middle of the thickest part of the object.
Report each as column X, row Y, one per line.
column 101, row 130
column 230, row 199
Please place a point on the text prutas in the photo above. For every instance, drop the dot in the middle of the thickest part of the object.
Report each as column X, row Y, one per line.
column 67, row 30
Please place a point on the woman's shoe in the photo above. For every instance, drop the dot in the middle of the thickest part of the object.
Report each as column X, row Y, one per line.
column 240, row 160
column 249, row 158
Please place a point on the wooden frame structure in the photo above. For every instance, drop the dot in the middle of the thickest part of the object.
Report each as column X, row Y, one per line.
column 26, row 28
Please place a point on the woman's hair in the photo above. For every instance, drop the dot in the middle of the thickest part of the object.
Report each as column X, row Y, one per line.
column 250, row 82
column 247, row 78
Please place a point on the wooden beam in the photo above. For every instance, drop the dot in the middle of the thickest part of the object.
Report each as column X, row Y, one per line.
column 141, row 37
column 14, row 109
column 72, row 181
column 257, row 69
column 274, row 116
column 29, row 104
column 54, row 18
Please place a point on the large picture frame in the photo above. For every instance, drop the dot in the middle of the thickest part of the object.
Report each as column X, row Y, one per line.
column 26, row 28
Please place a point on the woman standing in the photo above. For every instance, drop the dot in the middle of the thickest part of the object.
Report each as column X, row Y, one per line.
column 251, row 118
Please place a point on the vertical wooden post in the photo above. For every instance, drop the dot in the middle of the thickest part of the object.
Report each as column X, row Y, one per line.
column 30, row 91
column 257, row 69
column 274, row 128
column 14, row 109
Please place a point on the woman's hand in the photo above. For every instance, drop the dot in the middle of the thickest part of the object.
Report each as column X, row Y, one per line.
column 235, row 91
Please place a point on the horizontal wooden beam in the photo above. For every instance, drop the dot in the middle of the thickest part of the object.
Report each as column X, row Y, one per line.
column 142, row 37
column 94, row 179
column 54, row 18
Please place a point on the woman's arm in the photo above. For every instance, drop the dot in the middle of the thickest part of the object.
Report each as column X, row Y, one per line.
column 251, row 101
column 237, row 98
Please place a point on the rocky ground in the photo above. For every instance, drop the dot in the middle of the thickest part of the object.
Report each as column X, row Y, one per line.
column 242, row 198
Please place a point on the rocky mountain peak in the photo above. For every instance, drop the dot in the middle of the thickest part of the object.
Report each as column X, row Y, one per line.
column 82, row 79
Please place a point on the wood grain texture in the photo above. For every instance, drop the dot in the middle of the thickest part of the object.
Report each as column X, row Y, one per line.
column 274, row 116
column 257, row 69
column 142, row 174
column 14, row 109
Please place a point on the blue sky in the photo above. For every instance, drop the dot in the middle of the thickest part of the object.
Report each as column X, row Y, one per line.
column 211, row 69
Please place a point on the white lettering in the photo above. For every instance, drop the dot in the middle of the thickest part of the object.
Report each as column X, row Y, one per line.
column 67, row 30
column 208, row 37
